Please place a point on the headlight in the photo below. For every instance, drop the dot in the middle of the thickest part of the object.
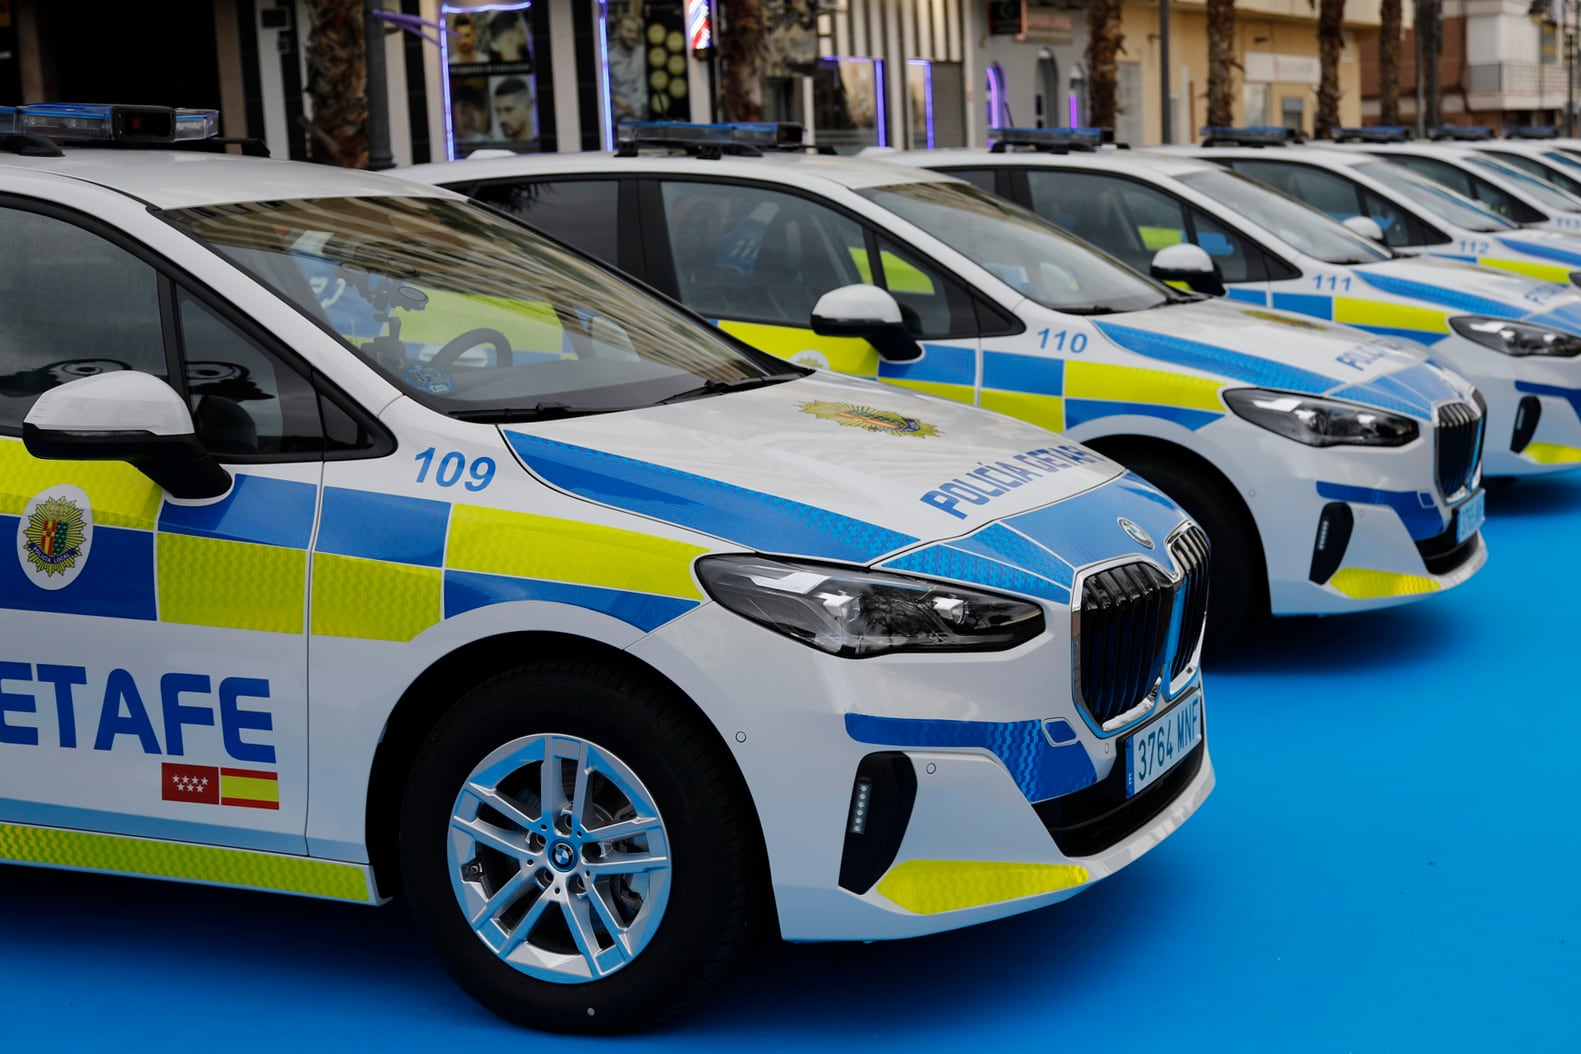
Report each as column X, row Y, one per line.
column 1320, row 422
column 1517, row 338
column 856, row 614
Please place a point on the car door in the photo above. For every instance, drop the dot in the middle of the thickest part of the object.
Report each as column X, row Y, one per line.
column 757, row 258
column 153, row 654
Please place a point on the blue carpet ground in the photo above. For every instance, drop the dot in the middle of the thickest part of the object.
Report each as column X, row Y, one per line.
column 1390, row 863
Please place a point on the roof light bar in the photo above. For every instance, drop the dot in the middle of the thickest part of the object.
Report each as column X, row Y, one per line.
column 1056, row 139
column 1515, row 131
column 7, row 120
column 1255, row 135
column 758, row 135
column 1373, row 133
column 138, row 125
column 1461, row 132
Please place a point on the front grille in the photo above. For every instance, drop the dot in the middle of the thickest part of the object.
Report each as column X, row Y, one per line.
column 1459, row 434
column 1121, row 632
column 1190, row 550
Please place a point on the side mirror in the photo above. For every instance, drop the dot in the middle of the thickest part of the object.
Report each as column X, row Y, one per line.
column 1191, row 265
column 131, row 417
column 1365, row 226
column 868, row 312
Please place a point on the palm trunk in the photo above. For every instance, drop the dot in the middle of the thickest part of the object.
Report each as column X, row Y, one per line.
column 1331, row 18
column 1104, row 40
column 337, row 83
column 741, row 47
column 1389, row 62
column 1221, row 63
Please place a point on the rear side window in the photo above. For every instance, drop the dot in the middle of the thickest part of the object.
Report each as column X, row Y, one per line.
column 579, row 212
column 50, row 273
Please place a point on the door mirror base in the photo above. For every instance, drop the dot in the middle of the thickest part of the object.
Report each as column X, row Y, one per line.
column 1191, row 265
column 868, row 312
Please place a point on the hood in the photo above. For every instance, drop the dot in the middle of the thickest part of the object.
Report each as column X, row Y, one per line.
column 825, row 467
column 1560, row 247
column 1257, row 347
column 1469, row 289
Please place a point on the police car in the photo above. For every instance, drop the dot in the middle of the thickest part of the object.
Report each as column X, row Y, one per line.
column 1491, row 180
column 1416, row 215
column 1333, row 469
column 1517, row 339
column 365, row 541
column 1536, row 150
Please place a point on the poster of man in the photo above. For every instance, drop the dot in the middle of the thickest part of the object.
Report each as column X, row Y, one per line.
column 647, row 60
column 493, row 96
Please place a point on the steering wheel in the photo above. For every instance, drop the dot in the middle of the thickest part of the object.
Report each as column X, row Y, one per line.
column 446, row 356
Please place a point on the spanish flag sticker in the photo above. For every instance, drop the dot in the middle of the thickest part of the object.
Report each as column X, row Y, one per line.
column 211, row 785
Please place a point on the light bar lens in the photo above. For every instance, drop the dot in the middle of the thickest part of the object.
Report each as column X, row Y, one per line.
column 858, row 614
column 743, row 133
column 79, row 122
column 1047, row 136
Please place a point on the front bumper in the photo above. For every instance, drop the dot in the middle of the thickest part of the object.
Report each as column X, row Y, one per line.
column 1534, row 407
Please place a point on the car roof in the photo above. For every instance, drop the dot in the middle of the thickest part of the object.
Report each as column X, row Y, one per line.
column 184, row 178
column 798, row 169
column 1327, row 155
column 1163, row 164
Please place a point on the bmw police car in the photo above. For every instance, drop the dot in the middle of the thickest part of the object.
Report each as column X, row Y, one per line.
column 1517, row 339
column 1332, row 468
column 364, row 541
column 1415, row 214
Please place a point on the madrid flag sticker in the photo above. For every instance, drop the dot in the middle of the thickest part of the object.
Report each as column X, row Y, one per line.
column 211, row 785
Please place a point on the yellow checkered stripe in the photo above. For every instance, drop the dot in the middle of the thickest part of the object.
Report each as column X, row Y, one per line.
column 1543, row 272
column 929, row 887
column 1392, row 316
column 121, row 496
column 232, row 585
column 373, row 599
column 244, row 868
column 1552, row 453
column 1099, row 380
column 851, row 355
column 1362, row 583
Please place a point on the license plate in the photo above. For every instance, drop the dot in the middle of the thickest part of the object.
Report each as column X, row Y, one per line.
column 1160, row 746
column 1469, row 517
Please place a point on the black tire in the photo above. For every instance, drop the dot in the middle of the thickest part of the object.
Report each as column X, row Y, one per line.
column 1238, row 572
column 714, row 881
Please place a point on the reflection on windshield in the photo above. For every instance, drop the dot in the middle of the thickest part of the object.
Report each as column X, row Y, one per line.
column 1547, row 195
column 1440, row 201
column 1303, row 227
column 469, row 312
column 1032, row 256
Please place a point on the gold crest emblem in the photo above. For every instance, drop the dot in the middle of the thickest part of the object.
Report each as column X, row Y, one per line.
column 54, row 536
column 869, row 419
column 1293, row 321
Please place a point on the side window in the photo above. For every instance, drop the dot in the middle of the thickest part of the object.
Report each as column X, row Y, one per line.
column 1439, row 172
column 244, row 400
column 1331, row 193
column 933, row 306
column 579, row 212
column 1399, row 227
column 981, row 178
column 1125, row 219
column 1238, row 260
column 51, row 271
column 758, row 255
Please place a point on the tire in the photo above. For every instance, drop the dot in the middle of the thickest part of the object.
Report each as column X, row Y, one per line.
column 544, row 897
column 1238, row 572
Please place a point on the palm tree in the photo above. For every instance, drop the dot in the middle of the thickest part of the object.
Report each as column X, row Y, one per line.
column 1221, row 60
column 337, row 83
column 741, row 47
column 1331, row 17
column 1104, row 41
column 1389, row 62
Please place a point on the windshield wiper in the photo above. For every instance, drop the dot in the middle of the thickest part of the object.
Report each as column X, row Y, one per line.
column 1096, row 309
column 721, row 387
column 537, row 412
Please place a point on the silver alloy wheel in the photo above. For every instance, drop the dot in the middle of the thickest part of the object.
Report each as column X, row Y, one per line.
column 559, row 858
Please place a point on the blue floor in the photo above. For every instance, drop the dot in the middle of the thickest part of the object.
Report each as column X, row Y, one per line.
column 1389, row 863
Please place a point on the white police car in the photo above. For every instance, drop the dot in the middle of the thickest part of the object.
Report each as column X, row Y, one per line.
column 1517, row 339
column 1333, row 469
column 365, row 541
column 1538, row 151
column 1415, row 214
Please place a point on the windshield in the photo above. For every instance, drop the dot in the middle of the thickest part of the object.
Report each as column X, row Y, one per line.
column 1441, row 202
column 1548, row 196
column 1303, row 227
column 1032, row 256
column 472, row 314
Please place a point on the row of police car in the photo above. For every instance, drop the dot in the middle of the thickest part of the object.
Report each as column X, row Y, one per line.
column 752, row 541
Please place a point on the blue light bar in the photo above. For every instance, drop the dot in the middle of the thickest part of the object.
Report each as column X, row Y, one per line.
column 999, row 139
column 80, row 122
column 767, row 135
column 1531, row 131
column 1373, row 133
column 1461, row 132
column 7, row 120
column 1252, row 135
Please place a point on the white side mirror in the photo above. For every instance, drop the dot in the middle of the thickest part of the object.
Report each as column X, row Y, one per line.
column 1189, row 264
column 1365, row 226
column 868, row 312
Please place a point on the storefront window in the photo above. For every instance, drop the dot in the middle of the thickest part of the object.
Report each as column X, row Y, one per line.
column 647, row 71
column 491, row 94
column 919, row 88
column 848, row 103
